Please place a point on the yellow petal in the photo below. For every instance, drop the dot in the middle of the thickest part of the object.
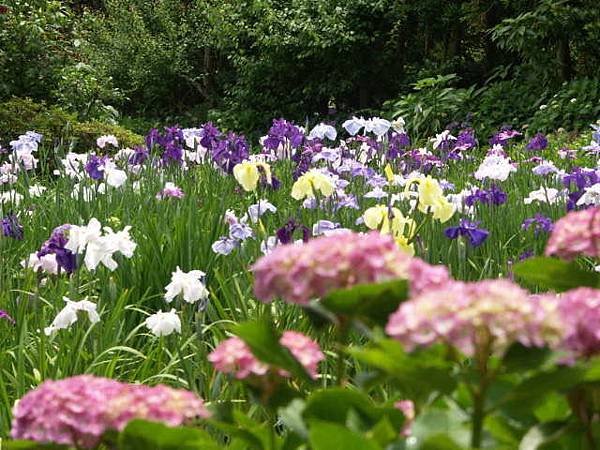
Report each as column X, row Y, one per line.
column 389, row 173
column 302, row 188
column 247, row 175
column 375, row 216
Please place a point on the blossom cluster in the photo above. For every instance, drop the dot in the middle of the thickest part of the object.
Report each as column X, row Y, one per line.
column 234, row 356
column 301, row 273
column 78, row 411
column 481, row 316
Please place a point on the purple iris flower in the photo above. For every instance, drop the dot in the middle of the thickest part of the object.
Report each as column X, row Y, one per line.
column 11, row 227
column 503, row 136
column 285, row 234
column 537, row 142
column 466, row 140
column 526, row 255
column 469, row 229
column 398, row 142
column 282, row 131
column 493, row 196
column 139, row 157
column 170, row 142
column 94, row 167
column 539, row 223
column 229, row 152
column 55, row 245
column 209, row 136
column 580, row 178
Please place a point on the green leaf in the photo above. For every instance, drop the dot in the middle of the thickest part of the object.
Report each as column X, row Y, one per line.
column 436, row 423
column 334, row 404
column 142, row 435
column 555, row 274
column 340, row 404
column 440, row 442
column 263, row 340
column 532, row 391
column 371, row 302
column 328, row 436
column 238, row 426
column 30, row 445
column 519, row 358
column 418, row 374
column 291, row 417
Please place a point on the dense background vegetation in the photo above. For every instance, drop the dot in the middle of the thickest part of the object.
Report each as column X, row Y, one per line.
column 242, row 63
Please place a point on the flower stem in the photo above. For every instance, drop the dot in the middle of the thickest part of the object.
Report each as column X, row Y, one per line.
column 342, row 340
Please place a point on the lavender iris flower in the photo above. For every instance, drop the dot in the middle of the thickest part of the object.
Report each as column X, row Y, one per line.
column 539, row 223
column 468, row 229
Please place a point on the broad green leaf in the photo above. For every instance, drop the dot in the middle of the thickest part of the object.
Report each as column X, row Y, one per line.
column 143, row 435
column 263, row 340
column 417, row 374
column 519, row 358
column 329, row 436
column 334, row 405
column 433, row 422
column 555, row 274
column 291, row 417
column 371, row 302
column 440, row 442
column 341, row 404
column 532, row 391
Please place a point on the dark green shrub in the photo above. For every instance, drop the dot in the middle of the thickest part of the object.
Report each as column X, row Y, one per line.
column 573, row 107
column 19, row 115
column 432, row 105
column 85, row 134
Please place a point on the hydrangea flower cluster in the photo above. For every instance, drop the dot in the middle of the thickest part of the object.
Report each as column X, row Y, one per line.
column 234, row 356
column 77, row 411
column 486, row 315
column 299, row 273
column 580, row 312
column 576, row 234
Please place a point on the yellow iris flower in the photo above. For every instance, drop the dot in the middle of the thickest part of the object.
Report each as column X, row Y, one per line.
column 391, row 221
column 432, row 199
column 247, row 174
column 311, row 182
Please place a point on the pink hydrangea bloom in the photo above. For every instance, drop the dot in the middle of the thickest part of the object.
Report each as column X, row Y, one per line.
column 470, row 315
column 234, row 356
column 580, row 312
column 408, row 409
column 299, row 273
column 578, row 233
column 77, row 411
column 304, row 350
column 158, row 404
